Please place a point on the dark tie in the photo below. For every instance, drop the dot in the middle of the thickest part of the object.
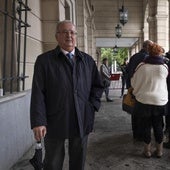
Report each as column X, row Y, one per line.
column 70, row 57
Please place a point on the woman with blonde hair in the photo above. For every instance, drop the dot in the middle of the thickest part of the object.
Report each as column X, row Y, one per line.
column 150, row 90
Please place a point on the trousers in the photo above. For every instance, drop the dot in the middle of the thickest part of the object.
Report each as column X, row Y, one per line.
column 157, row 123
column 55, row 153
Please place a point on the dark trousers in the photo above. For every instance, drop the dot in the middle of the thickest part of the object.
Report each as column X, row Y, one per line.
column 167, row 122
column 55, row 153
column 106, row 90
column 167, row 127
column 157, row 123
column 136, row 127
column 123, row 85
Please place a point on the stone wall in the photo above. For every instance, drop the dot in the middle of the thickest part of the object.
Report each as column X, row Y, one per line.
column 34, row 39
column 16, row 135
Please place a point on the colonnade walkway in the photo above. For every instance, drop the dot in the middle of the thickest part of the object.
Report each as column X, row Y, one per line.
column 111, row 146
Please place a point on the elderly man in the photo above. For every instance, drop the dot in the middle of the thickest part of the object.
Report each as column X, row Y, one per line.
column 66, row 92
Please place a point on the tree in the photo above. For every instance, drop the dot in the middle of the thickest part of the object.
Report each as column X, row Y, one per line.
column 119, row 57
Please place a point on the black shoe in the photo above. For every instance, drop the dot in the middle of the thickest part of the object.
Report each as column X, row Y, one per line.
column 109, row 100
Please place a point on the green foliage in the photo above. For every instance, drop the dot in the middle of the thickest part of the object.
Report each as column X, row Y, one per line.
column 120, row 56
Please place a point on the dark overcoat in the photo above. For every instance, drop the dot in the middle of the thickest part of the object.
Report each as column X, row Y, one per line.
column 133, row 63
column 60, row 89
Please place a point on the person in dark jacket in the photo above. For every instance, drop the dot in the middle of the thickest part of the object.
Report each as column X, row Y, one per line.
column 133, row 63
column 66, row 92
column 167, row 117
column 123, row 68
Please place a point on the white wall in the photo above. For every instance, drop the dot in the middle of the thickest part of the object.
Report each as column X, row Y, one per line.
column 16, row 135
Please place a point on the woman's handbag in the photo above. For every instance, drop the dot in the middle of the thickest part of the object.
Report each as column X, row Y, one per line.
column 128, row 101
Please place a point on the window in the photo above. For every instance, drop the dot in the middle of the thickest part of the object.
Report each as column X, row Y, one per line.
column 13, row 31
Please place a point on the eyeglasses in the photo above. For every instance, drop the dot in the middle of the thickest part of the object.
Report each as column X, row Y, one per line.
column 73, row 33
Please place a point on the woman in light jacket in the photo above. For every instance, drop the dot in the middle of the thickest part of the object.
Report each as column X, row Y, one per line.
column 150, row 90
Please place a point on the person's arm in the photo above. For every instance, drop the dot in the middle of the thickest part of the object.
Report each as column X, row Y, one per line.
column 38, row 107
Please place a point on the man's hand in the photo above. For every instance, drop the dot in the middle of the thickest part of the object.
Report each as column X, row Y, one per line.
column 39, row 132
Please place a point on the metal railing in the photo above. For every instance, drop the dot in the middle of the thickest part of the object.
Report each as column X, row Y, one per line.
column 13, row 16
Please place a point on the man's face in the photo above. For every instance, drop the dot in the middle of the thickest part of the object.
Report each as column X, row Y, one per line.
column 66, row 36
column 106, row 62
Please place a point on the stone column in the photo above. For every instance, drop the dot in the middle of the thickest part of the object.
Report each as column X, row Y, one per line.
column 152, row 20
column 146, row 25
column 159, row 23
column 90, row 35
column 81, row 25
column 55, row 13
column 162, row 24
column 152, row 28
column 98, row 57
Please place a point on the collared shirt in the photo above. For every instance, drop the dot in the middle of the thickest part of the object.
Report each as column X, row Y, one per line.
column 72, row 52
column 65, row 52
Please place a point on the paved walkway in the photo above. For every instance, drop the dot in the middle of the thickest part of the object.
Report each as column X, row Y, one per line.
column 111, row 146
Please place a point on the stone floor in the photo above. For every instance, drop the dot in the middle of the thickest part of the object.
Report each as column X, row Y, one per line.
column 111, row 146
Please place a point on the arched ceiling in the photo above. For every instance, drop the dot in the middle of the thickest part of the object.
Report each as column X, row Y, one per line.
column 106, row 17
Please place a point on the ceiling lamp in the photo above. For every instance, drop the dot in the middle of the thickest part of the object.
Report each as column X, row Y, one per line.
column 123, row 15
column 115, row 49
column 118, row 30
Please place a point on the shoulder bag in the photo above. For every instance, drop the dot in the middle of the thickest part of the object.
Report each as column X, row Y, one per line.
column 128, row 101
